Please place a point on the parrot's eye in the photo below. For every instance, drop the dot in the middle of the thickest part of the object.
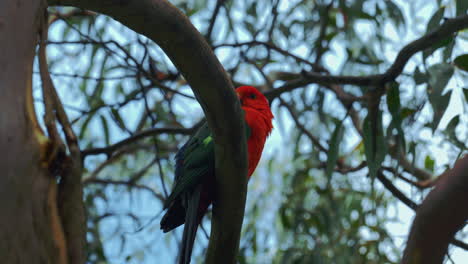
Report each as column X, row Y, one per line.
column 253, row 96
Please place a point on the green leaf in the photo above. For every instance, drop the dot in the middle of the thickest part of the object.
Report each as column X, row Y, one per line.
column 452, row 125
column 85, row 124
column 462, row 7
column 452, row 136
column 250, row 27
column 433, row 23
column 440, row 75
column 393, row 99
column 333, row 150
column 252, row 10
column 328, row 37
column 284, row 218
column 439, row 105
column 447, row 53
column 118, row 119
column 429, row 163
column 419, row 77
column 95, row 98
column 363, row 15
column 406, row 112
column 369, row 145
column 465, row 92
column 381, row 146
column 285, row 30
column 435, row 19
column 374, row 143
column 395, row 13
column 462, row 62
column 105, row 128
column 192, row 11
column 393, row 104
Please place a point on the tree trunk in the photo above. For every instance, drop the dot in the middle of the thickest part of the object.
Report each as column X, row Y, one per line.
column 30, row 227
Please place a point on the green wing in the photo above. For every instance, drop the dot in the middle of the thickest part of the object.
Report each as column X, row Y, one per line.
column 194, row 161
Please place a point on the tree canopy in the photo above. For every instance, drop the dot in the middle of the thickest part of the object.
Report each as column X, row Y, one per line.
column 369, row 99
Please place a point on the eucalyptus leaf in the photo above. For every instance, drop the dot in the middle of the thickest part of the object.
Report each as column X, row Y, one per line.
column 419, row 77
column 439, row 105
column 394, row 107
column 333, row 150
column 435, row 19
column 374, row 143
column 395, row 13
column 105, row 128
column 462, row 62
column 440, row 75
column 118, row 119
column 462, row 7
column 429, row 163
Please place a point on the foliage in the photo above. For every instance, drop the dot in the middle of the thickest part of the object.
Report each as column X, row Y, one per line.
column 315, row 197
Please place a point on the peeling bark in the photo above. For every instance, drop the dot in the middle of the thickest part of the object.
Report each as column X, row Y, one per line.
column 25, row 225
column 31, row 226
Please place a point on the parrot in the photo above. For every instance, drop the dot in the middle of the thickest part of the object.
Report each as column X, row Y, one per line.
column 193, row 189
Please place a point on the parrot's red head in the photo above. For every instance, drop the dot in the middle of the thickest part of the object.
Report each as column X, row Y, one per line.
column 256, row 106
column 251, row 97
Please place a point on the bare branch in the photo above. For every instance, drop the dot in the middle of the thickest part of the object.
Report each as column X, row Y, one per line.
column 148, row 133
column 411, row 204
column 407, row 165
column 219, row 3
column 395, row 191
column 325, row 16
column 267, row 45
column 444, row 31
column 130, row 184
column 302, row 128
column 423, row 184
column 68, row 75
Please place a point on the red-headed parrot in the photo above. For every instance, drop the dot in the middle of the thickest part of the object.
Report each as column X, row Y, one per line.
column 193, row 189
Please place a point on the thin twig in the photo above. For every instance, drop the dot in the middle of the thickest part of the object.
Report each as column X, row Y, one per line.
column 148, row 133
column 444, row 31
column 408, row 202
column 219, row 3
column 125, row 183
column 302, row 128
column 266, row 45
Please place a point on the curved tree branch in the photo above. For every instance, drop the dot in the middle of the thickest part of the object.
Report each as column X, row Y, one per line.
column 439, row 217
column 172, row 31
column 444, row 31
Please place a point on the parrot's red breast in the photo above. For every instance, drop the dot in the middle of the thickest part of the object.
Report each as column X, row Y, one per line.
column 259, row 119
